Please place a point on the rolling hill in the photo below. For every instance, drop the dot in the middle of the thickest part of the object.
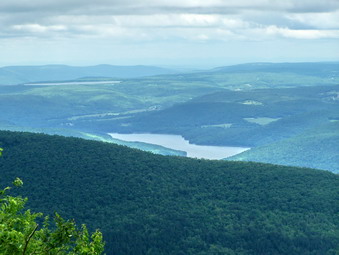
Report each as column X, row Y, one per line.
column 244, row 118
column 250, row 105
column 152, row 204
column 266, row 75
column 316, row 148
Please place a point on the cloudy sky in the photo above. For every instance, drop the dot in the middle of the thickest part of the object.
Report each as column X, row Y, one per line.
column 196, row 33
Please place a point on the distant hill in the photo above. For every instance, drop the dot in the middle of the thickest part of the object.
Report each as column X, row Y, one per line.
column 244, row 76
column 324, row 69
column 269, row 75
column 247, row 105
column 316, row 148
column 242, row 118
column 12, row 75
column 282, row 126
column 152, row 204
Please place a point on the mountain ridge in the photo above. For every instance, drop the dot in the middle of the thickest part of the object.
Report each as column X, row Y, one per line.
column 152, row 204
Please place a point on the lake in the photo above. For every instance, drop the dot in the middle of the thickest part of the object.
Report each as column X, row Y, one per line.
column 177, row 142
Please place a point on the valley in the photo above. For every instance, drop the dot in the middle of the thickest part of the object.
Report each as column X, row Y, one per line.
column 214, row 107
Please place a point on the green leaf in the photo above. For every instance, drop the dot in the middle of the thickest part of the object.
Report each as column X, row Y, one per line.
column 18, row 182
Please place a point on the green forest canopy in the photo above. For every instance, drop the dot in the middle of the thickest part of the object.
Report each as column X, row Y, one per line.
column 152, row 204
column 21, row 234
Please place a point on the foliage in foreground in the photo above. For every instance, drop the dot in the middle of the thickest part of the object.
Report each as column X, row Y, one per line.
column 20, row 231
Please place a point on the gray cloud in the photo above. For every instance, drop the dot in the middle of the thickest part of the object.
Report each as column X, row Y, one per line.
column 314, row 6
column 125, row 7
column 149, row 19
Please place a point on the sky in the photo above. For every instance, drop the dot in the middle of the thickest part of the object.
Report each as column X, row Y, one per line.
column 192, row 33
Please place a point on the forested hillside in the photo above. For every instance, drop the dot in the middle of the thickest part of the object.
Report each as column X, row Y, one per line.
column 152, row 204
column 243, row 118
column 316, row 148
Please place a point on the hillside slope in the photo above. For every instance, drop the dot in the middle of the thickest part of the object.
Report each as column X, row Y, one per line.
column 151, row 204
column 316, row 148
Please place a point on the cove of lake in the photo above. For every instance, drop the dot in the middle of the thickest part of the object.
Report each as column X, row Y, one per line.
column 177, row 142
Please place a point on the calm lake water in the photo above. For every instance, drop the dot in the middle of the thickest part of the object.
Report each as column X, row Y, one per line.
column 177, row 142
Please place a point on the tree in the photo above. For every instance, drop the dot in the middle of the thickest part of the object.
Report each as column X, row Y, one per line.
column 20, row 232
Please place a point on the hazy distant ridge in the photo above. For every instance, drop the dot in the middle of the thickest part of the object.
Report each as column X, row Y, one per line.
column 307, row 68
column 12, row 75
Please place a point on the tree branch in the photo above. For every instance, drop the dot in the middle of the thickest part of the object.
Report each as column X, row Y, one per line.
column 29, row 238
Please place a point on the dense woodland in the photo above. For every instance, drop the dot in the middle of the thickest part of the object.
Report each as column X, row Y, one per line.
column 152, row 204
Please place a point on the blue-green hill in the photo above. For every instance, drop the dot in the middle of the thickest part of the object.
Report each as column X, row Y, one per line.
column 243, row 118
column 248, row 105
column 316, row 148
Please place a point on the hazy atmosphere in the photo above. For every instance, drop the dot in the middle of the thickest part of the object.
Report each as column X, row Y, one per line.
column 168, row 33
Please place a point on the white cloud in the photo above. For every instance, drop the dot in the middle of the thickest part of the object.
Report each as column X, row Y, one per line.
column 328, row 20
column 177, row 26
column 45, row 14
column 36, row 28
column 300, row 33
column 179, row 20
column 155, row 22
